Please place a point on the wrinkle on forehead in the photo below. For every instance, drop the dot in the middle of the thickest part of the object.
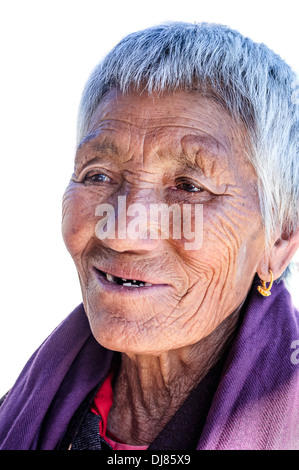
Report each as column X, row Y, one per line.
column 160, row 132
column 159, row 140
column 148, row 110
column 169, row 114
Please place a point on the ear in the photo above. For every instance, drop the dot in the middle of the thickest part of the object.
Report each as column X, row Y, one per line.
column 278, row 257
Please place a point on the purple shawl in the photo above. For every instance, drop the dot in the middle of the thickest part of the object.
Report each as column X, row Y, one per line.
column 255, row 406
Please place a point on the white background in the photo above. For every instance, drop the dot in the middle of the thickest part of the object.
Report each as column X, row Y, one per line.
column 48, row 49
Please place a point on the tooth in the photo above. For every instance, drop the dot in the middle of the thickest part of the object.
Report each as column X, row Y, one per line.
column 141, row 284
column 110, row 277
column 148, row 284
column 124, row 279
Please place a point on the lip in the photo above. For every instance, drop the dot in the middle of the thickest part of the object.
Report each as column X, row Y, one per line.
column 125, row 290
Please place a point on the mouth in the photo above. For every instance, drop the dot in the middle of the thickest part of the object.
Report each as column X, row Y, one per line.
column 111, row 278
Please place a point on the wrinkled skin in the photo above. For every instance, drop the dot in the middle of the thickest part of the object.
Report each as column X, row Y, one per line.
column 177, row 148
column 205, row 285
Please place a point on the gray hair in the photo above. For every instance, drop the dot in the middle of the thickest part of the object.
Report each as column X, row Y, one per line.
column 253, row 83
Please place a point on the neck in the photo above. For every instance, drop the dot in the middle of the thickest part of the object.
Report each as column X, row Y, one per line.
column 150, row 389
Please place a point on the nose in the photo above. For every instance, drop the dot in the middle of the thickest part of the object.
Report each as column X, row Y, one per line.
column 127, row 227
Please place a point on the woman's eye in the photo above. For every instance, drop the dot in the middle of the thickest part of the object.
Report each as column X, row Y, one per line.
column 189, row 187
column 97, row 178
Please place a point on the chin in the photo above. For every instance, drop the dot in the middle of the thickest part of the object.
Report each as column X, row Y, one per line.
column 126, row 337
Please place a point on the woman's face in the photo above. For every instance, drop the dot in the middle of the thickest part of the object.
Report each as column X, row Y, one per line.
column 178, row 148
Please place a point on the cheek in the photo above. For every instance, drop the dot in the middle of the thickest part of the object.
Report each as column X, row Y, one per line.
column 219, row 244
column 78, row 219
column 232, row 244
column 231, row 227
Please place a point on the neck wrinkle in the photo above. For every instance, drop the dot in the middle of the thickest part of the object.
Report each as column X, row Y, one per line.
column 150, row 389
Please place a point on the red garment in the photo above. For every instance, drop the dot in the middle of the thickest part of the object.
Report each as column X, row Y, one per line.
column 101, row 407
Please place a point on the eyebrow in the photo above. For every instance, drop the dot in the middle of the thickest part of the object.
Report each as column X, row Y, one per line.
column 99, row 148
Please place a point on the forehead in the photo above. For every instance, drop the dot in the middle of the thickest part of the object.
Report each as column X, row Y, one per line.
column 172, row 124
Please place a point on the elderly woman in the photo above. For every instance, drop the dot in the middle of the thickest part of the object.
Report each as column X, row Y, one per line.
column 181, row 342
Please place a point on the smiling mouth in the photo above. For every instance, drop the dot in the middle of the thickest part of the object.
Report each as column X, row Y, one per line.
column 122, row 281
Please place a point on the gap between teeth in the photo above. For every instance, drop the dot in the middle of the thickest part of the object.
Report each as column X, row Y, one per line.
column 131, row 283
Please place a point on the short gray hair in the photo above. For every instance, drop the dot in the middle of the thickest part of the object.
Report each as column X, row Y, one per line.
column 253, row 83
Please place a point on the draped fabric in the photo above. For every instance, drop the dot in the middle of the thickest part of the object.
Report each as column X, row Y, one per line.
column 255, row 405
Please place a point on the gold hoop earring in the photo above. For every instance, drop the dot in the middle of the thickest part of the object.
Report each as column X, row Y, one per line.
column 266, row 291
